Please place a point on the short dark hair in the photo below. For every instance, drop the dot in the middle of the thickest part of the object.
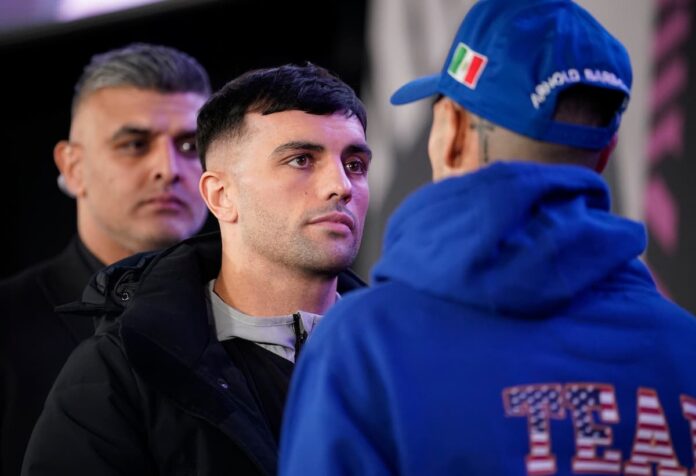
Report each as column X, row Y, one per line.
column 589, row 105
column 307, row 87
column 144, row 66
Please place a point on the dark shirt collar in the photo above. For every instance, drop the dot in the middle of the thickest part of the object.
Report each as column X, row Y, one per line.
column 91, row 261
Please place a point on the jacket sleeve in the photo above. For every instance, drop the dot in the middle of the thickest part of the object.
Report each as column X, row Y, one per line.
column 336, row 420
column 92, row 422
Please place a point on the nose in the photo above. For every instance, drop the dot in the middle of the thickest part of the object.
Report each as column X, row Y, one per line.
column 167, row 167
column 336, row 182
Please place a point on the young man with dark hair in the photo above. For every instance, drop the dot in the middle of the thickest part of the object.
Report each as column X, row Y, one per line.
column 189, row 371
column 132, row 167
column 512, row 328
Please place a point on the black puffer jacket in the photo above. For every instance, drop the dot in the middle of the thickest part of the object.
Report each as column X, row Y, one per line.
column 154, row 392
column 35, row 342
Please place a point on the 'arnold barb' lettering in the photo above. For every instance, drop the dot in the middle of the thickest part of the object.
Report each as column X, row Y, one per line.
column 572, row 75
column 559, row 78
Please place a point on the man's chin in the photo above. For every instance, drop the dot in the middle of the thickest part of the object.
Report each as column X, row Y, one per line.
column 331, row 264
column 164, row 238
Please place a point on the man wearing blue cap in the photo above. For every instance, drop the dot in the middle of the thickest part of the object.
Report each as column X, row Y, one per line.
column 512, row 329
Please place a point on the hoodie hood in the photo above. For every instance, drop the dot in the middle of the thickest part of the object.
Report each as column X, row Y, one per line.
column 512, row 237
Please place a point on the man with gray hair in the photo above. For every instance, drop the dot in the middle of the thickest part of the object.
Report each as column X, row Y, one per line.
column 132, row 166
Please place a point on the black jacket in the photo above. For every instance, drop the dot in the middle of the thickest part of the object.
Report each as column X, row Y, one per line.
column 154, row 391
column 35, row 342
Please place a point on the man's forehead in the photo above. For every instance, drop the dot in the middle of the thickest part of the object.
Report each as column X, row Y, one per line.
column 126, row 99
column 114, row 108
column 266, row 133
column 286, row 125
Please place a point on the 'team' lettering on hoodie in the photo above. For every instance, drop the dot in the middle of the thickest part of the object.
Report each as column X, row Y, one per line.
column 593, row 409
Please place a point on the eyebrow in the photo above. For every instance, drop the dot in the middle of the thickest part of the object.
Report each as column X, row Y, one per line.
column 302, row 145
column 297, row 145
column 359, row 149
column 129, row 130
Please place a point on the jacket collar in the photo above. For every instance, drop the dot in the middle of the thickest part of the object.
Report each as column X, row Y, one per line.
column 185, row 268
column 66, row 275
column 63, row 280
column 161, row 301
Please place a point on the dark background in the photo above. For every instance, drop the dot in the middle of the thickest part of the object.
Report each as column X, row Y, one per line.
column 38, row 69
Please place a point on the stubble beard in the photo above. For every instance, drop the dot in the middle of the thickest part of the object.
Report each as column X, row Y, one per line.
column 326, row 256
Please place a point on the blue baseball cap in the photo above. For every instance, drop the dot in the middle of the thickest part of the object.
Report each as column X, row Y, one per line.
column 510, row 60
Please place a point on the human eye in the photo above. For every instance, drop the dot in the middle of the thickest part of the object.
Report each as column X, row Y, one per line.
column 186, row 146
column 356, row 166
column 302, row 161
column 135, row 146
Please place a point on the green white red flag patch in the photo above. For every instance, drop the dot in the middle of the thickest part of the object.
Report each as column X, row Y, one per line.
column 467, row 65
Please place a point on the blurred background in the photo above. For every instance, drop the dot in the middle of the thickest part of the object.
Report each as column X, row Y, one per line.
column 375, row 46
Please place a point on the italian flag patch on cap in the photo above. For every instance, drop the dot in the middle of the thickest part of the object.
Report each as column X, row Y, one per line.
column 467, row 65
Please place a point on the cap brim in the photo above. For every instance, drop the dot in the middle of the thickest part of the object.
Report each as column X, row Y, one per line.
column 417, row 89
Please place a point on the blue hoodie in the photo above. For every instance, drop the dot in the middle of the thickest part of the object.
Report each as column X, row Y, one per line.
column 512, row 330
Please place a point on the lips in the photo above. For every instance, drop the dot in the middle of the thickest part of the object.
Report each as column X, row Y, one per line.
column 337, row 218
column 165, row 201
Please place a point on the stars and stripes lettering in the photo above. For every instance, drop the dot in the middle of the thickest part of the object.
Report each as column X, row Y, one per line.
column 688, row 405
column 593, row 409
column 539, row 403
column 585, row 400
column 652, row 445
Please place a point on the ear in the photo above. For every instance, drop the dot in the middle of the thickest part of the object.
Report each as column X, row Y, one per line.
column 68, row 159
column 446, row 142
column 605, row 153
column 457, row 158
column 217, row 190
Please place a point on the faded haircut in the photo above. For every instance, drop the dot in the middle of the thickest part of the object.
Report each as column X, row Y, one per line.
column 143, row 66
column 308, row 88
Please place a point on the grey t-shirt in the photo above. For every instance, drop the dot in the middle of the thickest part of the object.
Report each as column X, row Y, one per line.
column 274, row 333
